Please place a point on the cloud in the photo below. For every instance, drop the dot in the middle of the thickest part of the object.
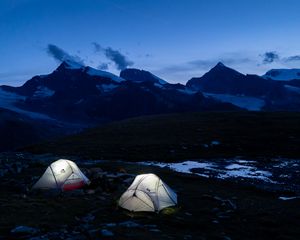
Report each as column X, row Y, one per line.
column 270, row 57
column 119, row 59
column 205, row 64
column 97, row 47
column 61, row 55
column 103, row 66
column 292, row 58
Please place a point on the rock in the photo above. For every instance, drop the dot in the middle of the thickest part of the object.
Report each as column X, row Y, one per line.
column 214, row 143
column 24, row 230
column 90, row 191
column 88, row 218
column 101, row 198
column 150, row 226
column 74, row 193
column 226, row 238
column 43, row 237
column 215, row 210
column 231, row 204
column 222, row 216
column 154, row 230
column 129, row 224
column 76, row 237
column 187, row 237
column 111, row 224
column 94, row 233
column 107, row 233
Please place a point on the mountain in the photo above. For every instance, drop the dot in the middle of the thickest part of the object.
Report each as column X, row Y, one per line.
column 289, row 78
column 283, row 74
column 137, row 75
column 248, row 91
column 74, row 97
column 222, row 79
column 19, row 130
column 78, row 94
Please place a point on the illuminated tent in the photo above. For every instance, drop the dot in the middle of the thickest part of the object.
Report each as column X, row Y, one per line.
column 62, row 174
column 148, row 193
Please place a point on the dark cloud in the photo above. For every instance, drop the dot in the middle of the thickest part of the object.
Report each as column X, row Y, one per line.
column 61, row 55
column 269, row 57
column 200, row 66
column 103, row 66
column 119, row 59
column 293, row 58
column 97, row 47
column 206, row 64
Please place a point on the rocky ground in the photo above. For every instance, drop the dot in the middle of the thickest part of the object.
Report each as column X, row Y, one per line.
column 208, row 208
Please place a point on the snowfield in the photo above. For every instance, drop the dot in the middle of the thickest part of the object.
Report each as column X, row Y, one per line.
column 43, row 92
column 282, row 74
column 107, row 87
column 292, row 88
column 8, row 101
column 249, row 103
column 99, row 73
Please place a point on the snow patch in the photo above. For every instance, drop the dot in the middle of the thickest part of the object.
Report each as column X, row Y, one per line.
column 282, row 74
column 159, row 85
column 249, row 103
column 107, row 87
column 8, row 101
column 246, row 172
column 218, row 170
column 292, row 88
column 161, row 81
column 215, row 142
column 72, row 65
column 288, row 198
column 42, row 92
column 187, row 91
column 237, row 166
column 79, row 101
column 104, row 74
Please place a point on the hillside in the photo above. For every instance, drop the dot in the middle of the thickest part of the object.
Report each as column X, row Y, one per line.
column 18, row 130
column 186, row 136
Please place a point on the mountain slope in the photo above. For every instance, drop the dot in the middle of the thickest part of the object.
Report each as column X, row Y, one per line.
column 186, row 136
column 222, row 79
column 283, row 74
column 227, row 85
column 137, row 75
column 18, row 130
column 82, row 95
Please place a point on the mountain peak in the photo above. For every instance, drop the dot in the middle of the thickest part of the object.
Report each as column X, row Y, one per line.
column 68, row 64
column 220, row 64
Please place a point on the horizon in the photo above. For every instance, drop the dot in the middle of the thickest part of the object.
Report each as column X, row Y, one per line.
column 172, row 39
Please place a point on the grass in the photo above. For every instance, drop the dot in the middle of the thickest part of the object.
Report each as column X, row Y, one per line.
column 185, row 136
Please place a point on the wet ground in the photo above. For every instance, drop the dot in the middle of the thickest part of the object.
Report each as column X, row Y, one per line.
column 217, row 199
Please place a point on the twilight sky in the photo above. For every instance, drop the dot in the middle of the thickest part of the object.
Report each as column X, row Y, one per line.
column 174, row 39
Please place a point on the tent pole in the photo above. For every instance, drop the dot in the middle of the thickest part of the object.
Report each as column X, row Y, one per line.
column 54, row 176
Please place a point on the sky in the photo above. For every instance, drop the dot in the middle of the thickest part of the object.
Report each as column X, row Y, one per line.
column 174, row 39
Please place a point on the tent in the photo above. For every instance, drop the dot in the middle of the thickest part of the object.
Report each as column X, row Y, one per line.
column 148, row 193
column 62, row 174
